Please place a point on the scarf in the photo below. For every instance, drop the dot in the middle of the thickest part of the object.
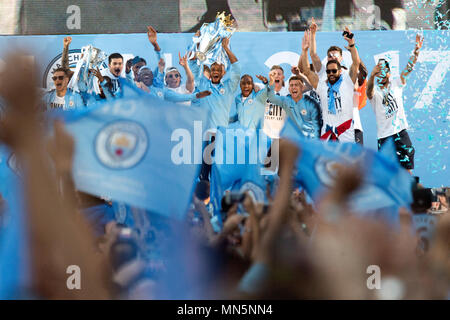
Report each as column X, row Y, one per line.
column 333, row 88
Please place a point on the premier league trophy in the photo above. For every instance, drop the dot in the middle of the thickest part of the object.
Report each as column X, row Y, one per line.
column 207, row 46
column 82, row 79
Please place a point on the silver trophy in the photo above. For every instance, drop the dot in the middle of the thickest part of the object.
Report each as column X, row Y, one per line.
column 92, row 57
column 206, row 47
column 83, row 80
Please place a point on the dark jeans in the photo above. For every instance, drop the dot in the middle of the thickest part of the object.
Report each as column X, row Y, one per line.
column 359, row 137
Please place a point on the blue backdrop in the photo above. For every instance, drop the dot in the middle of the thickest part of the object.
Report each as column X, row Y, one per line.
column 426, row 93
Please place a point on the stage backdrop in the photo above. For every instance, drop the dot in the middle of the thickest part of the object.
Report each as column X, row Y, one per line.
column 426, row 98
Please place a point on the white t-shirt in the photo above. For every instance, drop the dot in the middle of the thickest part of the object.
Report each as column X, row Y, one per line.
column 343, row 103
column 388, row 107
column 274, row 117
column 182, row 90
column 58, row 102
column 356, row 118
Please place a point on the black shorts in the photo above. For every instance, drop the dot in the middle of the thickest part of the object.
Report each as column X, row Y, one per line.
column 359, row 138
column 404, row 147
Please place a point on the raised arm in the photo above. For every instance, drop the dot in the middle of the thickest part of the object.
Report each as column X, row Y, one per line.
column 371, row 82
column 313, row 78
column 235, row 70
column 173, row 96
column 313, row 45
column 225, row 46
column 278, row 100
column 349, row 37
column 152, row 37
column 190, row 83
column 412, row 61
column 65, row 56
column 278, row 211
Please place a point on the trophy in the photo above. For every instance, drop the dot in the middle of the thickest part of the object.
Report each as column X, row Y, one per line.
column 207, row 46
column 82, row 79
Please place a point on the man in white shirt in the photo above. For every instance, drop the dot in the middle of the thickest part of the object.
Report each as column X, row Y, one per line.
column 335, row 92
column 386, row 98
column 274, row 115
column 335, row 53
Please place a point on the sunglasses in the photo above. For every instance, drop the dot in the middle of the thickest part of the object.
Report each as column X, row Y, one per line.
column 58, row 77
column 334, row 71
column 173, row 75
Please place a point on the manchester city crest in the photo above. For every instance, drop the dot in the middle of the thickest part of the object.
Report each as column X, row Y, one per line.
column 326, row 170
column 222, row 91
column 255, row 191
column 250, row 101
column 121, row 144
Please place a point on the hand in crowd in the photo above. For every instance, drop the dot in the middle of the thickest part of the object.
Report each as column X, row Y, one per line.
column 313, row 27
column 58, row 236
column 349, row 37
column 61, row 148
column 18, row 103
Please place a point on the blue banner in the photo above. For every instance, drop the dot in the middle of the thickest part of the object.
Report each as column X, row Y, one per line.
column 426, row 98
column 138, row 151
column 386, row 185
column 14, row 254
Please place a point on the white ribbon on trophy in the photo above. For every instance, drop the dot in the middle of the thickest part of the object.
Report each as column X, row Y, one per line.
column 82, row 80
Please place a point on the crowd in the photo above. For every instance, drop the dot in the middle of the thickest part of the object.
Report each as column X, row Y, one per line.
column 287, row 248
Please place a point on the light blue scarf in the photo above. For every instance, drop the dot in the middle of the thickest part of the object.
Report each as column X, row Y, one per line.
column 333, row 88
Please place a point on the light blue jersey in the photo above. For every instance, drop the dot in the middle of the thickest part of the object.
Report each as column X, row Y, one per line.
column 72, row 100
column 250, row 112
column 304, row 113
column 222, row 94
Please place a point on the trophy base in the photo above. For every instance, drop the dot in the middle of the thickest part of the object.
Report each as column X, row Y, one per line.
column 200, row 56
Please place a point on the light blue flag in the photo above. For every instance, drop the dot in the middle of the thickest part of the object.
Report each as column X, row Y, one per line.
column 216, row 194
column 239, row 155
column 138, row 150
column 14, row 255
column 386, row 184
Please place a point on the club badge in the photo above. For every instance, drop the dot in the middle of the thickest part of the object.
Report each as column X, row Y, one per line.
column 121, row 144
column 326, row 170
